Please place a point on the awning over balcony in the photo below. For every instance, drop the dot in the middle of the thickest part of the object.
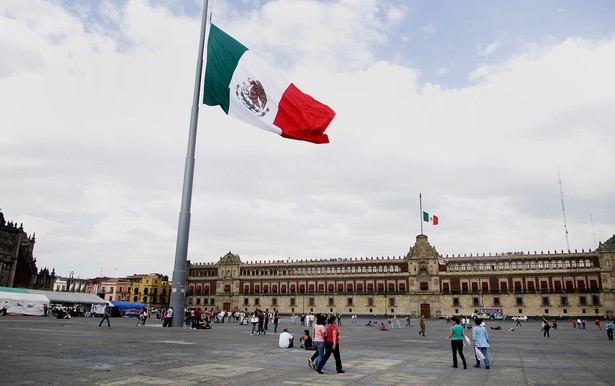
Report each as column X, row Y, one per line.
column 569, row 284
column 504, row 285
column 424, row 285
column 321, row 287
column 311, row 287
column 391, row 286
column 593, row 283
column 474, row 285
column 340, row 287
column 360, row 286
column 331, row 287
column 581, row 283
column 349, row 287
column 557, row 284
column 530, row 284
column 544, row 284
column 227, row 288
column 370, row 286
column 445, row 286
column 485, row 285
column 380, row 286
column 518, row 285
column 464, row 286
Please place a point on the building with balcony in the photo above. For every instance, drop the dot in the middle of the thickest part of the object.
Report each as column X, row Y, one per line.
column 420, row 283
column 151, row 289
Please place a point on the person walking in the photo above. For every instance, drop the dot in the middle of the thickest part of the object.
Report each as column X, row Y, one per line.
column 609, row 329
column 545, row 328
column 481, row 342
column 456, row 336
column 422, row 325
column 518, row 322
column 276, row 320
column 332, row 346
column 598, row 324
column 106, row 315
column 254, row 321
column 320, row 333
column 408, row 324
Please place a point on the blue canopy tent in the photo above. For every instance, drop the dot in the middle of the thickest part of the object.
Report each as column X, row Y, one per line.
column 126, row 308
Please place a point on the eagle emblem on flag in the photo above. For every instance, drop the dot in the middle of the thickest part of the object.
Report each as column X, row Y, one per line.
column 252, row 95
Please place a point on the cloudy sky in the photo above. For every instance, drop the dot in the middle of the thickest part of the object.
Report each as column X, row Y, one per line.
column 478, row 105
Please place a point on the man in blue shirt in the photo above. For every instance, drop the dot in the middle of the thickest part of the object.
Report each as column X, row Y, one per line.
column 609, row 329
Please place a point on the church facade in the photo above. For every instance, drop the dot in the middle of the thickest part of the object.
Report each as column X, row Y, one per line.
column 420, row 283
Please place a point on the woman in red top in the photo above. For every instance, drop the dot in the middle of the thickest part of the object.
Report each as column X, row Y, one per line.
column 332, row 346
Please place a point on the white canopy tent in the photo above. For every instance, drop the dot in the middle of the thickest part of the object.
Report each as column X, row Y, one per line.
column 23, row 303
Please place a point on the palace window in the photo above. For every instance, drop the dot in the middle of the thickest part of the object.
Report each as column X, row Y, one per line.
column 581, row 264
column 560, row 264
column 455, row 301
column 564, row 300
column 505, row 265
column 588, row 263
column 553, row 264
column 519, row 301
column 573, row 263
column 545, row 300
column 496, row 301
column 540, row 265
column 370, row 301
column 567, row 263
column 513, row 265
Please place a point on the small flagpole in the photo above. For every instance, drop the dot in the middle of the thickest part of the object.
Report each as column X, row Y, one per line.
column 421, row 213
column 178, row 281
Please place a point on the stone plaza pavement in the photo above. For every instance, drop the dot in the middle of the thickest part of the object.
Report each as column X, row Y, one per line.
column 38, row 350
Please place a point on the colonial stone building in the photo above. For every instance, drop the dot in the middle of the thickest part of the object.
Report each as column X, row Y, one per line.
column 17, row 263
column 420, row 283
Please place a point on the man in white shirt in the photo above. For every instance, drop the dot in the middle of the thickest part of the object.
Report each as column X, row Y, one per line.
column 286, row 339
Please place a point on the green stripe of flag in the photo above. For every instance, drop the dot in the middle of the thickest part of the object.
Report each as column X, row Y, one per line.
column 223, row 54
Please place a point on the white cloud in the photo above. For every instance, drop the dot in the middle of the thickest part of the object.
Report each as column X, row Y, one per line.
column 95, row 124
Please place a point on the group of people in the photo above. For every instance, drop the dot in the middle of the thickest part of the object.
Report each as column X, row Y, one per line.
column 326, row 339
column 479, row 336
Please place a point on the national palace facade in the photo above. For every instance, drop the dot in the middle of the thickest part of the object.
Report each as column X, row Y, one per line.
column 420, row 283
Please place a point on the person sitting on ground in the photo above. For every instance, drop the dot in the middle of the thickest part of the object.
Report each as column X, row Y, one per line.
column 204, row 324
column 306, row 341
column 496, row 327
column 286, row 339
column 383, row 327
column 369, row 323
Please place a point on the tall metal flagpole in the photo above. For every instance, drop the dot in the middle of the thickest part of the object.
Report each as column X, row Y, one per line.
column 178, row 282
column 421, row 213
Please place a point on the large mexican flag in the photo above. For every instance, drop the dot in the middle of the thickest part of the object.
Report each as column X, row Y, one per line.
column 248, row 88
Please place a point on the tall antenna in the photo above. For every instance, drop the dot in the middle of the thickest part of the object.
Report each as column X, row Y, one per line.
column 591, row 219
column 561, row 193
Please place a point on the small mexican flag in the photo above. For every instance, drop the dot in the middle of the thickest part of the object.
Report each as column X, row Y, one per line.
column 248, row 88
column 433, row 218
